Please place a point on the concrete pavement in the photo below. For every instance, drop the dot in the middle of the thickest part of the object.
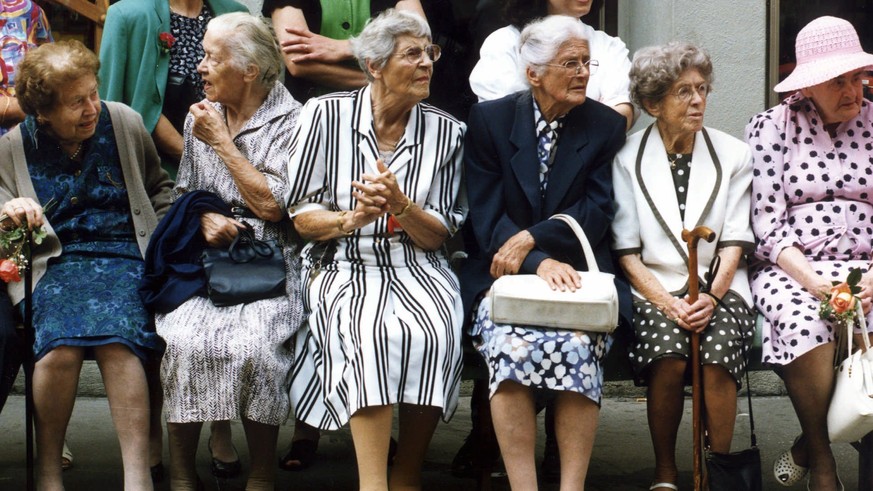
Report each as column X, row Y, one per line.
column 622, row 457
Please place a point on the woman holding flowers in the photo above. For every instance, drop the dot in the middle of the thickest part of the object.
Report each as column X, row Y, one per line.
column 811, row 213
column 97, row 166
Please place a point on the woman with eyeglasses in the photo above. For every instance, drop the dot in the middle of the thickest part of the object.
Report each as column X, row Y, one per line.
column 674, row 175
column 375, row 180
column 531, row 155
column 499, row 72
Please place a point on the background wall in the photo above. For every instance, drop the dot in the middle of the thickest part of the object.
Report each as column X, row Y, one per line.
column 734, row 34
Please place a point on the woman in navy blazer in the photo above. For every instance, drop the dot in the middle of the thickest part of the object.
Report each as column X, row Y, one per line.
column 529, row 156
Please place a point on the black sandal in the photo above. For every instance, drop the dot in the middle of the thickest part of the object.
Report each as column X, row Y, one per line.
column 300, row 456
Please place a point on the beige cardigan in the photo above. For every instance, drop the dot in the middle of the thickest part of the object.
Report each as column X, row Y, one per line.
column 148, row 186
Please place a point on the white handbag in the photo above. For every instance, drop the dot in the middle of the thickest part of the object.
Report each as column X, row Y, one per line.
column 850, row 415
column 526, row 299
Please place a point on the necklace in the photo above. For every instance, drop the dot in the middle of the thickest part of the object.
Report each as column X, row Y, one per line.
column 77, row 152
column 674, row 158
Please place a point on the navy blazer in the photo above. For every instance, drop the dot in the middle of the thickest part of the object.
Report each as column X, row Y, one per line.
column 503, row 187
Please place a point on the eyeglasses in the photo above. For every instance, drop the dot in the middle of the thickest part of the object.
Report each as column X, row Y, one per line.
column 686, row 92
column 576, row 66
column 414, row 54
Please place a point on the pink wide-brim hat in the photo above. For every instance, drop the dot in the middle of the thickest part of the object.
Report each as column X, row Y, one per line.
column 826, row 48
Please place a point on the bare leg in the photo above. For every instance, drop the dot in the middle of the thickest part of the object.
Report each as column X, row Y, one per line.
column 261, row 439
column 720, row 399
column 55, row 380
column 664, row 409
column 575, row 428
column 514, row 415
column 371, row 432
column 128, row 394
column 221, row 441
column 156, row 410
column 810, row 383
column 417, row 424
column 183, row 438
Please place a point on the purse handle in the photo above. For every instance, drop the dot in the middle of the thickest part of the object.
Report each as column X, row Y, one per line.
column 238, row 251
column 580, row 234
column 862, row 323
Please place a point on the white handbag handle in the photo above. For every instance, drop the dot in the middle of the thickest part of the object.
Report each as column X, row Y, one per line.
column 862, row 323
column 580, row 234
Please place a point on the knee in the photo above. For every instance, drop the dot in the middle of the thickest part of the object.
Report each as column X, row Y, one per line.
column 668, row 369
column 62, row 358
column 113, row 354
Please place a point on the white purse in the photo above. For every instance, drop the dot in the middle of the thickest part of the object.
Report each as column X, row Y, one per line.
column 526, row 299
column 850, row 415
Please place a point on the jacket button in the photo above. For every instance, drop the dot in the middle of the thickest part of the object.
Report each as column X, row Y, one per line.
column 74, row 200
column 142, row 233
column 136, row 211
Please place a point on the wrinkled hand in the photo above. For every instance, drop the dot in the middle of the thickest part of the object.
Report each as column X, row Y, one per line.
column 219, row 230
column 509, row 257
column 21, row 210
column 314, row 47
column 691, row 317
column 559, row 276
column 209, row 125
column 382, row 190
column 866, row 293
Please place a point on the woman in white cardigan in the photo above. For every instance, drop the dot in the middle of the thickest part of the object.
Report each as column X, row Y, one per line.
column 677, row 174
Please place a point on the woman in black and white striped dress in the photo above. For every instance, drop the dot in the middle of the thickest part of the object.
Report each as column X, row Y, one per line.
column 374, row 182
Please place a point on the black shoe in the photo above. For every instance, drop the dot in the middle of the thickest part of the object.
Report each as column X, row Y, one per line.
column 224, row 470
column 157, row 472
column 550, row 469
column 300, row 456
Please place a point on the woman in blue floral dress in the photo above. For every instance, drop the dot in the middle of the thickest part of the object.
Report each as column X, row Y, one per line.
column 88, row 172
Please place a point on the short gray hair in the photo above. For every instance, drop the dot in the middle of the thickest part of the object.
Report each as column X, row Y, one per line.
column 249, row 41
column 377, row 41
column 541, row 39
column 656, row 68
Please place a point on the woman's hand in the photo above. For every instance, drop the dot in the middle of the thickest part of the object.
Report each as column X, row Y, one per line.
column 209, row 125
column 219, row 230
column 691, row 317
column 315, row 47
column 559, row 276
column 866, row 293
column 510, row 256
column 381, row 190
column 23, row 210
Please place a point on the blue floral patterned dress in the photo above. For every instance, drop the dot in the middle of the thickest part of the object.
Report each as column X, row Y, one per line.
column 88, row 295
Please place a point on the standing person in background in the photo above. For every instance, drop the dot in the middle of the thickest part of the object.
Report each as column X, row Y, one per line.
column 141, row 66
column 499, row 73
column 314, row 37
column 23, row 25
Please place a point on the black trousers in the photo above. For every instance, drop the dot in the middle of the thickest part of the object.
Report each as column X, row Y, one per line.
column 11, row 353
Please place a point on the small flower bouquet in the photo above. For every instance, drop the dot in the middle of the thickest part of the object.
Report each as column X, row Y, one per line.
column 13, row 243
column 839, row 303
column 166, row 41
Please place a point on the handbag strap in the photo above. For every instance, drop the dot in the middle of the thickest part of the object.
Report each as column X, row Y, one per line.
column 245, row 247
column 710, row 277
column 580, row 234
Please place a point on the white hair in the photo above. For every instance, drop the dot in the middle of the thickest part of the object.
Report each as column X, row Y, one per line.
column 377, row 41
column 249, row 41
column 542, row 38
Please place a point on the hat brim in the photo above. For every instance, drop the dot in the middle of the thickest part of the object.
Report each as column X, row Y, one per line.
column 814, row 73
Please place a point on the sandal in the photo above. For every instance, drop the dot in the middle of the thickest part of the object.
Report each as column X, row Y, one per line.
column 222, row 469
column 300, row 456
column 667, row 485
column 66, row 457
column 786, row 471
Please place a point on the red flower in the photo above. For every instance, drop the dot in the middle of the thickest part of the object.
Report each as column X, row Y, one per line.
column 166, row 41
column 9, row 271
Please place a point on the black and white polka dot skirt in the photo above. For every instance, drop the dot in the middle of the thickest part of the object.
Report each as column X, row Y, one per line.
column 720, row 343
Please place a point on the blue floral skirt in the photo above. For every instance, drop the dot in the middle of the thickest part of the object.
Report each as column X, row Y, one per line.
column 540, row 358
column 88, row 300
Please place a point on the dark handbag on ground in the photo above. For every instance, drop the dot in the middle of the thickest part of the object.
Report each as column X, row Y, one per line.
column 248, row 270
column 526, row 299
column 735, row 471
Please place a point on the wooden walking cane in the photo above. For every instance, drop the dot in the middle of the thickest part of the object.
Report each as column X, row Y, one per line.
column 29, row 336
column 691, row 238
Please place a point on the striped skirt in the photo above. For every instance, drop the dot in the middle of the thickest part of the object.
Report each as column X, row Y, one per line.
column 377, row 336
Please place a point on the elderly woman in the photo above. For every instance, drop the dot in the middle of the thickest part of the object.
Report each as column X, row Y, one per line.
column 88, row 172
column 375, row 176
column 671, row 83
column 811, row 209
column 500, row 71
column 232, row 362
column 529, row 156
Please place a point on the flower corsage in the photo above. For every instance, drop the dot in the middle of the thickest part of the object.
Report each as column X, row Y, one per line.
column 16, row 249
column 839, row 303
column 166, row 41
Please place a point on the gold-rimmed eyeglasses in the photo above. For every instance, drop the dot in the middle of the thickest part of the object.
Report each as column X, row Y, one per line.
column 414, row 54
column 575, row 66
column 686, row 92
